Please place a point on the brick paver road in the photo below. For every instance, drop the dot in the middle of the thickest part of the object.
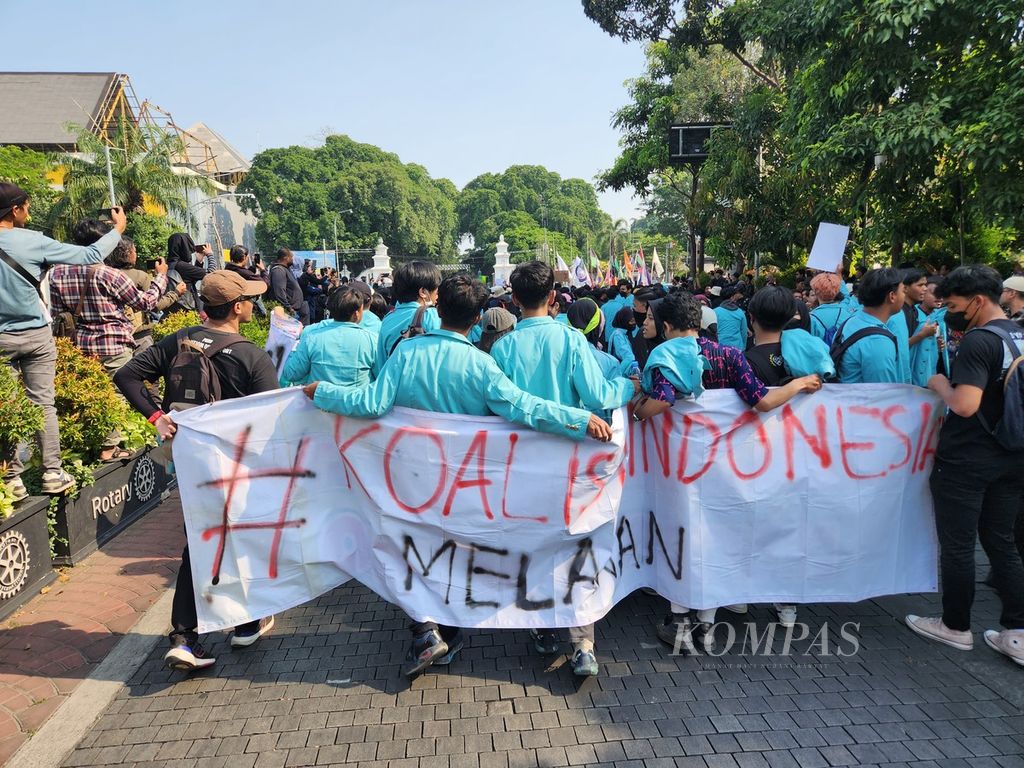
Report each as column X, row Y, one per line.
column 325, row 689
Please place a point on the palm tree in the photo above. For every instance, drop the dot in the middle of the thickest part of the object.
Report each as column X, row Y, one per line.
column 143, row 166
column 616, row 233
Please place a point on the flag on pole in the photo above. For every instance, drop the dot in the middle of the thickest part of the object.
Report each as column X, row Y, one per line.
column 656, row 268
column 560, row 263
column 578, row 275
column 608, row 278
column 643, row 277
column 627, row 264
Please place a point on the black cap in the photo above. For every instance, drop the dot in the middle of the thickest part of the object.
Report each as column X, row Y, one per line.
column 11, row 195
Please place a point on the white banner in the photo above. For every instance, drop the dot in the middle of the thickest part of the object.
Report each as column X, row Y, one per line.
column 282, row 338
column 475, row 522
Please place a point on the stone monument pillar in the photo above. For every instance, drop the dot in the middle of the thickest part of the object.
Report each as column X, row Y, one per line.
column 381, row 263
column 502, row 267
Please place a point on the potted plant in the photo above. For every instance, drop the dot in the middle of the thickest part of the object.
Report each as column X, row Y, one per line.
column 110, row 495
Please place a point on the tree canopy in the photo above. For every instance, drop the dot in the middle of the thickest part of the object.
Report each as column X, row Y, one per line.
column 933, row 88
column 532, row 206
column 302, row 192
column 30, row 170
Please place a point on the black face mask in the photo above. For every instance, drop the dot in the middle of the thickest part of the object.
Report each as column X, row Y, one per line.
column 639, row 317
column 957, row 321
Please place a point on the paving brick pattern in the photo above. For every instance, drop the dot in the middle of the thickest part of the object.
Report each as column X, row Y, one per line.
column 53, row 642
column 324, row 689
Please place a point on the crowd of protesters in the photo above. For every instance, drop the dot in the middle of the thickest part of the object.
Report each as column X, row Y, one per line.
column 554, row 358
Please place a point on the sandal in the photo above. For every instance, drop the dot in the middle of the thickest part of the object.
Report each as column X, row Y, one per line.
column 118, row 454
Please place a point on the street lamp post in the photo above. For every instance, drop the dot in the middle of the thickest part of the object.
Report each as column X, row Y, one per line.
column 216, row 200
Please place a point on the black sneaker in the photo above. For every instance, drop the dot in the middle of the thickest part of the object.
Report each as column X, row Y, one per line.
column 545, row 641
column 424, row 651
column 248, row 634
column 188, row 658
column 676, row 631
column 454, row 646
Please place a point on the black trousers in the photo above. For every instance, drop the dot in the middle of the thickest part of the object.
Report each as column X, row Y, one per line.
column 979, row 499
column 183, row 608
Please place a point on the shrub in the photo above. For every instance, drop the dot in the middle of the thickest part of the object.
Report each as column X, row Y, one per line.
column 88, row 406
column 173, row 323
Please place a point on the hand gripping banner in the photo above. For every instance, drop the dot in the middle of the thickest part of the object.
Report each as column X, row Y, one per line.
column 476, row 522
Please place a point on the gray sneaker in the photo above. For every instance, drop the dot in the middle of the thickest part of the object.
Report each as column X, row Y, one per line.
column 57, row 481
column 16, row 487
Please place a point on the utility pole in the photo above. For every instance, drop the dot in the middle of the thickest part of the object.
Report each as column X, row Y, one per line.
column 110, row 175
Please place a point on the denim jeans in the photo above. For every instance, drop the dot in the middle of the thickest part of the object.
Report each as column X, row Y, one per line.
column 34, row 355
column 979, row 500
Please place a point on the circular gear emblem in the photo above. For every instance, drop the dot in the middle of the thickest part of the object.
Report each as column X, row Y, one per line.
column 14, row 561
column 144, row 478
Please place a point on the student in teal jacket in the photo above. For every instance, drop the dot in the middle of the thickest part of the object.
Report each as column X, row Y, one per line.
column 732, row 322
column 873, row 358
column 339, row 350
column 551, row 360
column 925, row 356
column 415, row 285
column 441, row 371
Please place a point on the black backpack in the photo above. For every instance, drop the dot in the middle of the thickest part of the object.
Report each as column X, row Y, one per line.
column 840, row 345
column 192, row 380
column 1009, row 432
column 414, row 329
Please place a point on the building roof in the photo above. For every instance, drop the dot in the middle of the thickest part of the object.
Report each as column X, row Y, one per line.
column 37, row 105
column 226, row 159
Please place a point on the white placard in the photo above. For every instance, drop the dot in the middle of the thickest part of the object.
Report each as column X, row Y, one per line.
column 829, row 247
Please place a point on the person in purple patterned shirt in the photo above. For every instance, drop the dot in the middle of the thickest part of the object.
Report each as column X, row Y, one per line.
column 678, row 316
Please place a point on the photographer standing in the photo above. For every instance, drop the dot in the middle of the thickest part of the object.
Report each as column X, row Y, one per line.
column 25, row 336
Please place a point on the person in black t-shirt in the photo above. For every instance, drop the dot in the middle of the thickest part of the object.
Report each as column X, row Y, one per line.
column 243, row 369
column 771, row 309
column 976, row 483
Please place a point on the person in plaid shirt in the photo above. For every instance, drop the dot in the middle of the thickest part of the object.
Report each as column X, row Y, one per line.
column 102, row 329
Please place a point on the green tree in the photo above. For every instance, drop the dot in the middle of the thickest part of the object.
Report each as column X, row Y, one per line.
column 142, row 161
column 29, row 170
column 302, row 192
column 531, row 206
column 934, row 87
column 150, row 232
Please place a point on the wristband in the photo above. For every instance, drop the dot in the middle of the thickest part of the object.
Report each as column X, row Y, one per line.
column 155, row 417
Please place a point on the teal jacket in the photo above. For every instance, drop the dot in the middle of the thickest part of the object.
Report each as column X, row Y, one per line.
column 394, row 324
column 873, row 359
column 924, row 358
column 898, row 325
column 609, row 310
column 370, row 322
column 619, row 345
column 20, row 307
column 732, row 326
column 342, row 353
column 441, row 371
column 679, row 360
column 551, row 360
column 827, row 319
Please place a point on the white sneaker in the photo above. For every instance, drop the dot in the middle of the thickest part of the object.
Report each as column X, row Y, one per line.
column 247, row 638
column 1009, row 642
column 787, row 614
column 933, row 628
column 739, row 608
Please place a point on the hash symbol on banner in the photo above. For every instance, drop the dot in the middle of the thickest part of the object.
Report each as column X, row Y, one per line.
column 240, row 474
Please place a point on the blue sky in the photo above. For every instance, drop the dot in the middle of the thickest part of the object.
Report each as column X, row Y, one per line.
column 459, row 87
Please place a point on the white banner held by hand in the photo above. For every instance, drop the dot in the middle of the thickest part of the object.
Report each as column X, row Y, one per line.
column 474, row 522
